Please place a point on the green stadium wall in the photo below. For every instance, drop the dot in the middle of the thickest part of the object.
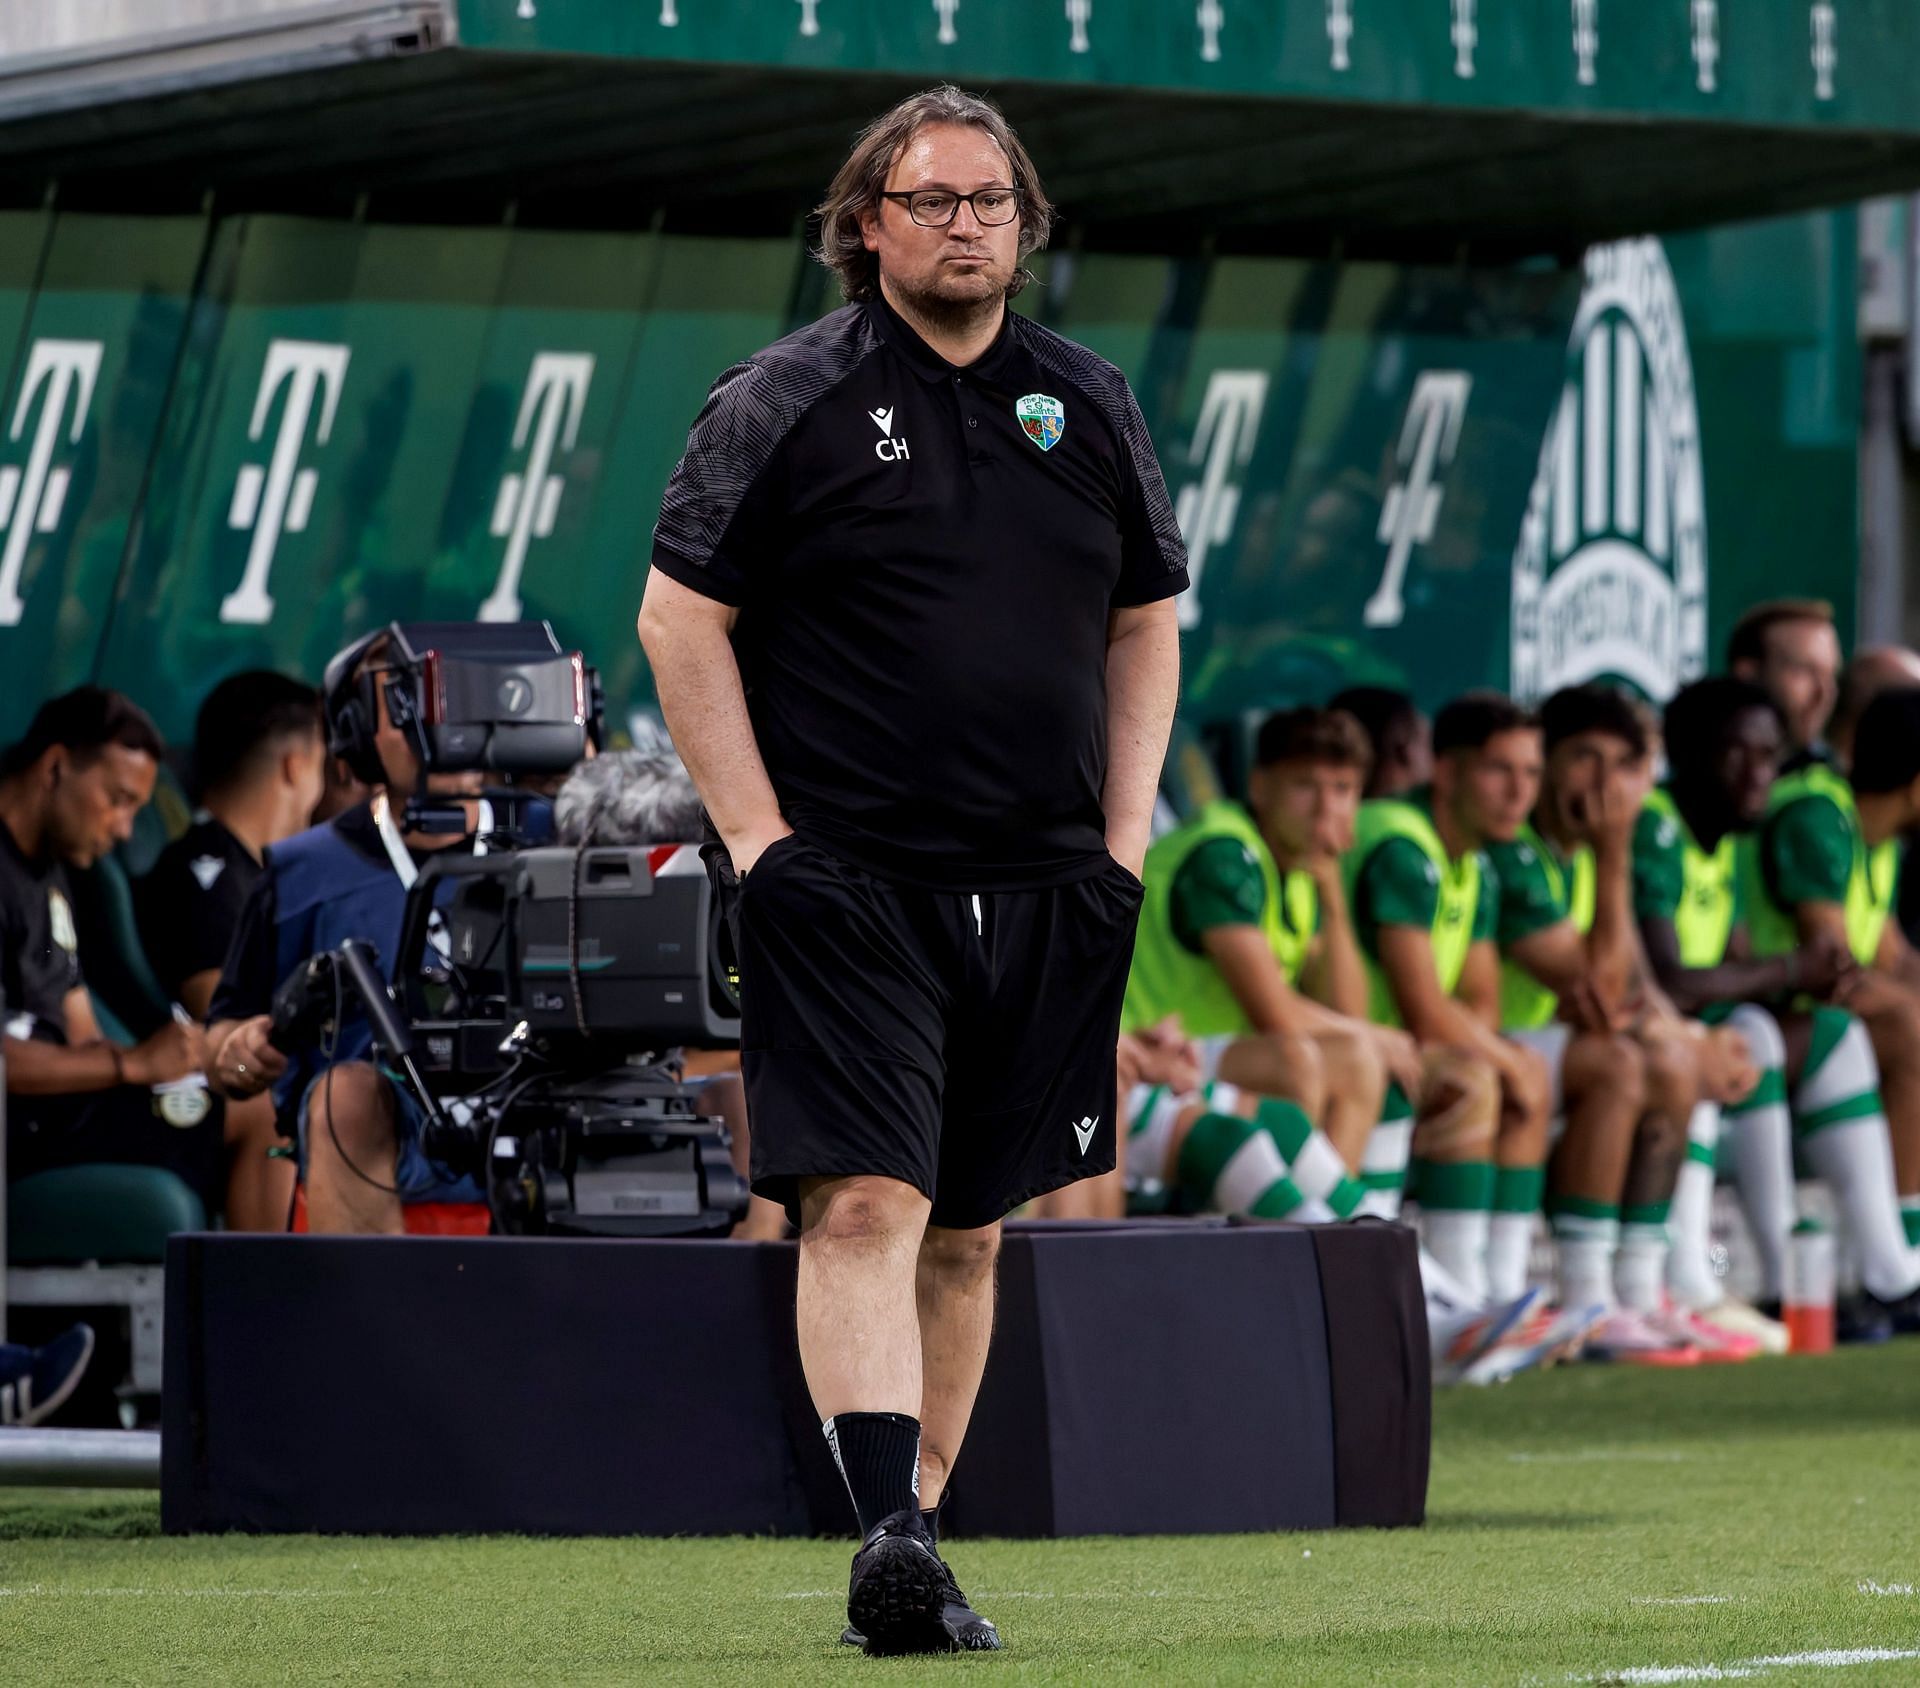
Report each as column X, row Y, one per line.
column 241, row 441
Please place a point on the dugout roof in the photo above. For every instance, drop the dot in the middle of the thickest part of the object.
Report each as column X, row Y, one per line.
column 1393, row 126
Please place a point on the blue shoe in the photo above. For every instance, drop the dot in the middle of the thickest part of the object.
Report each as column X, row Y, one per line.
column 35, row 1382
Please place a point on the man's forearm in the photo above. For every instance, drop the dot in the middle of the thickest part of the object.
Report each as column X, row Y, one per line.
column 35, row 1068
column 1343, row 974
column 698, row 684
column 1143, row 689
column 1611, row 950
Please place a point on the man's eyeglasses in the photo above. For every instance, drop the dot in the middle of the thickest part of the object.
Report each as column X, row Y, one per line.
column 933, row 209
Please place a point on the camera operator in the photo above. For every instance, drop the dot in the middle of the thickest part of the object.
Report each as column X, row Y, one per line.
column 69, row 791
column 647, row 797
column 360, row 1135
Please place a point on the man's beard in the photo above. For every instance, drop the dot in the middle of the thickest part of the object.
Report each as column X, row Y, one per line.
column 947, row 313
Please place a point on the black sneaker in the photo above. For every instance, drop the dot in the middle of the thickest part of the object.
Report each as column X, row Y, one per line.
column 974, row 1633
column 897, row 1595
column 1860, row 1320
column 1903, row 1315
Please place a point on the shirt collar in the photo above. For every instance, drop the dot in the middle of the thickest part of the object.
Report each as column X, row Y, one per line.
column 924, row 360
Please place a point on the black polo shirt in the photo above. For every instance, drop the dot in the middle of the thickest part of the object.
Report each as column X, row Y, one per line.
column 925, row 559
column 39, row 950
column 190, row 901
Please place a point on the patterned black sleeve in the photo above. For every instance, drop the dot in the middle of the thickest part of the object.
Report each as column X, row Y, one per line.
column 719, row 503
column 1154, row 556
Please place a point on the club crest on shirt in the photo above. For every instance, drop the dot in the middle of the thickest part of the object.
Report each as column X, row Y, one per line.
column 206, row 869
column 1043, row 419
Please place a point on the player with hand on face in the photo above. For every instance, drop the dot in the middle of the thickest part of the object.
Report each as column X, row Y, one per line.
column 1630, row 1074
column 1245, row 940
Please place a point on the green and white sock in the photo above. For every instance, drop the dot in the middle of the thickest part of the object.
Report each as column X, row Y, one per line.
column 1456, row 1217
column 1762, row 1130
column 1231, row 1165
column 1383, row 1168
column 1516, row 1210
column 1837, row 1113
column 1690, row 1224
column 1640, row 1267
column 1586, row 1235
column 1313, row 1163
column 1910, row 1219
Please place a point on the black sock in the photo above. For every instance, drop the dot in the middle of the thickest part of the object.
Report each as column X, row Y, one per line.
column 930, row 1516
column 879, row 1456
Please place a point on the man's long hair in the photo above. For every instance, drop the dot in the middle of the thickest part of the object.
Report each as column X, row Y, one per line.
column 857, row 187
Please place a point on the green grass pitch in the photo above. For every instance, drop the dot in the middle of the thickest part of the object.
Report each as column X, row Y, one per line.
column 1749, row 1522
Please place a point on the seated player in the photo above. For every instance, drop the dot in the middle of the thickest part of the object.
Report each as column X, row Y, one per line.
column 259, row 767
column 1624, row 1093
column 1826, row 870
column 1789, row 648
column 1818, row 1078
column 69, row 791
column 1220, row 1148
column 1423, row 907
column 1244, row 936
column 1402, row 740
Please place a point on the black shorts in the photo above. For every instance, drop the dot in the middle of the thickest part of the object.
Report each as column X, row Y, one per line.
column 962, row 1045
column 120, row 1127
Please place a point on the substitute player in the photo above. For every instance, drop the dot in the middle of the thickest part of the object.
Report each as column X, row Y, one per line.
column 911, row 622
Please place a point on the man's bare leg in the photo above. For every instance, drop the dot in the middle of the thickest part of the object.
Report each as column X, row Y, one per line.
column 1356, row 1087
column 954, row 1291
column 352, row 1149
column 1453, row 1149
column 259, row 1183
column 1276, row 1065
column 856, row 1308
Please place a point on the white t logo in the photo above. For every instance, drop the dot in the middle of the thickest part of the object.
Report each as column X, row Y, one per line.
column 1465, row 37
column 278, row 499
column 1706, row 43
column 1079, row 15
column 528, row 503
column 1586, row 40
column 31, row 498
column 1428, row 440
column 1826, row 55
column 946, row 9
column 1340, row 33
column 1210, row 18
column 1222, row 445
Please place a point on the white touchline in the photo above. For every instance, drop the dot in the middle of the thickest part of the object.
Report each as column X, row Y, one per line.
column 1682, row 1599
column 1872, row 1587
column 41, row 1591
column 1603, row 1456
column 1831, row 1658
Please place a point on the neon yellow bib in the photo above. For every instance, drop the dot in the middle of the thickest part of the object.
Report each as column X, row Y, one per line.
column 1870, row 885
column 1167, row 977
column 1709, row 893
column 1459, row 883
column 1525, row 1003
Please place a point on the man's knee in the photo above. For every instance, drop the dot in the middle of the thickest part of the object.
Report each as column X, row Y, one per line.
column 1352, row 1062
column 1895, row 1031
column 1606, row 1062
column 861, row 1212
column 1460, row 1108
column 1673, row 1076
column 351, row 1108
column 961, row 1254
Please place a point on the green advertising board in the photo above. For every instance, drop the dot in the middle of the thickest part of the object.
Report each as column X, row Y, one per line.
column 1437, row 477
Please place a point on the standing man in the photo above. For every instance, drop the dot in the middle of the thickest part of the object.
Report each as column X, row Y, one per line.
column 911, row 622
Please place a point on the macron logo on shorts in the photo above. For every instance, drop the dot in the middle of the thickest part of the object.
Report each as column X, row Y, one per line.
column 1084, row 1131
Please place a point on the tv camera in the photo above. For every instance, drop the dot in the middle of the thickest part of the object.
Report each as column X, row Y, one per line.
column 540, row 994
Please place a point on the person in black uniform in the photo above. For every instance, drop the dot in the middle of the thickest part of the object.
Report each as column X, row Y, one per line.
column 910, row 617
column 69, row 791
column 259, row 768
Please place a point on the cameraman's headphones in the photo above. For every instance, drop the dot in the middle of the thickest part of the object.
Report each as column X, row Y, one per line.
column 353, row 712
